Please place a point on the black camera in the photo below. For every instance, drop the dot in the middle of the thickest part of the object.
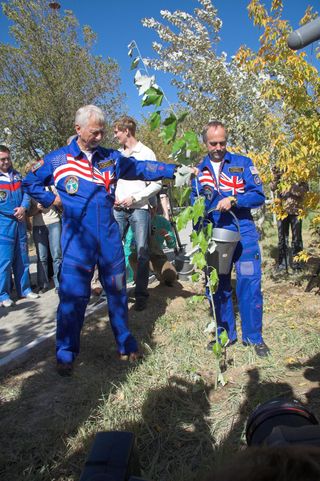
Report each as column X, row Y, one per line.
column 280, row 422
column 112, row 458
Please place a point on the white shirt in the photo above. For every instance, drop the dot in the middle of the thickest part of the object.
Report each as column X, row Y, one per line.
column 139, row 189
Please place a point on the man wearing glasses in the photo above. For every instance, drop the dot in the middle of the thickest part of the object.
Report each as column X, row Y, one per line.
column 230, row 182
column 13, row 232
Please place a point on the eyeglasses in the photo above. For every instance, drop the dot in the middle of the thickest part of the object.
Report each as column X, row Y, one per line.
column 214, row 144
column 2, row 159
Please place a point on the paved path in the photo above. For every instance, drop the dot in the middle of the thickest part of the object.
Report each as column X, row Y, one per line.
column 30, row 322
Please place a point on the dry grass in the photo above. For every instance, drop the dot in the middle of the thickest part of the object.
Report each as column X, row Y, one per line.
column 183, row 426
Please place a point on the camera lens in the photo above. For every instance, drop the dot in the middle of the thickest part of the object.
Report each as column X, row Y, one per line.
column 273, row 413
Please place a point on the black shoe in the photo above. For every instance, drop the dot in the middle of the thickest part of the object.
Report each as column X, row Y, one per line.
column 140, row 304
column 64, row 369
column 43, row 290
column 261, row 349
column 296, row 266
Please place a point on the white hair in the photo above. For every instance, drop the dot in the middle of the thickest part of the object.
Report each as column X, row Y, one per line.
column 85, row 113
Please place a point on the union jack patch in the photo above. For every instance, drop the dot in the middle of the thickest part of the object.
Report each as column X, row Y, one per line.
column 233, row 184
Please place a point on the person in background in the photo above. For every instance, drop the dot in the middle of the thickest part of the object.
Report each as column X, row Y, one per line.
column 13, row 232
column 231, row 183
column 85, row 176
column 291, row 202
column 161, row 235
column 131, row 206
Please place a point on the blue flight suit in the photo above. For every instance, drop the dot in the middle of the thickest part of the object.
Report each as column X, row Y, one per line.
column 13, row 236
column 90, row 235
column 238, row 177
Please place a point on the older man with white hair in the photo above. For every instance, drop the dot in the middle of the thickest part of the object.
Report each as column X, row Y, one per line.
column 85, row 175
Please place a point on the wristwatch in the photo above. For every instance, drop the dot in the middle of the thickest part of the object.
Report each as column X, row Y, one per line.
column 233, row 200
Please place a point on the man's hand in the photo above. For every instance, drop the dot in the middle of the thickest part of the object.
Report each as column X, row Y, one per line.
column 57, row 202
column 20, row 213
column 40, row 207
column 125, row 203
column 224, row 204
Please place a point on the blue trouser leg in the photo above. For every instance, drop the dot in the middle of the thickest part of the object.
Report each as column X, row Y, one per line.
column 113, row 280
column 83, row 247
column 249, row 295
column 7, row 245
column 20, row 264
column 140, row 223
column 74, row 294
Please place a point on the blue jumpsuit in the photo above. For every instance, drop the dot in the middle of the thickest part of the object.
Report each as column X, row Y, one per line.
column 238, row 177
column 13, row 237
column 90, row 235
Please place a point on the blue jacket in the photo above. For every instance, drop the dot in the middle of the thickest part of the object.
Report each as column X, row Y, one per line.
column 67, row 167
column 239, row 178
column 12, row 194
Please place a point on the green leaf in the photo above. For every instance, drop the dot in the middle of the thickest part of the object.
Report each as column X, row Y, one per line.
column 198, row 260
column 179, row 144
column 194, row 238
column 195, row 277
column 168, row 133
column 170, row 120
column 208, row 230
column 184, row 217
column 198, row 209
column 185, row 194
column 224, row 338
column 196, row 299
column 155, row 120
column 202, row 241
column 134, row 63
column 152, row 96
column 214, row 280
column 217, row 350
column 192, row 141
column 182, row 117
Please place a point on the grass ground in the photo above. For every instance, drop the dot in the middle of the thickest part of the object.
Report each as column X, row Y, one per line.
column 184, row 427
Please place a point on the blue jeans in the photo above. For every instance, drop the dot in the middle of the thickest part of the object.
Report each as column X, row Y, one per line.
column 45, row 237
column 139, row 220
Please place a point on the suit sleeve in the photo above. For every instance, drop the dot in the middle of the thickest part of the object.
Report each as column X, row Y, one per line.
column 253, row 196
column 129, row 168
column 35, row 182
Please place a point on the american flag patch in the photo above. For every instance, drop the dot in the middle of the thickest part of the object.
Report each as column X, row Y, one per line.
column 206, row 178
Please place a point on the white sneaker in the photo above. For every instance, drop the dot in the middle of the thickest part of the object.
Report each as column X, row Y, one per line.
column 7, row 303
column 32, row 295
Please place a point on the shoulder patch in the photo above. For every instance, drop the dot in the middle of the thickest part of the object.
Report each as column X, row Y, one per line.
column 105, row 164
column 257, row 180
column 253, row 170
column 37, row 165
column 235, row 170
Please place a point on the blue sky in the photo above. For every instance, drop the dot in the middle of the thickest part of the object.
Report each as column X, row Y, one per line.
column 118, row 22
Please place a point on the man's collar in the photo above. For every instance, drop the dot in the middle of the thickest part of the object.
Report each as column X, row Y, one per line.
column 75, row 150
